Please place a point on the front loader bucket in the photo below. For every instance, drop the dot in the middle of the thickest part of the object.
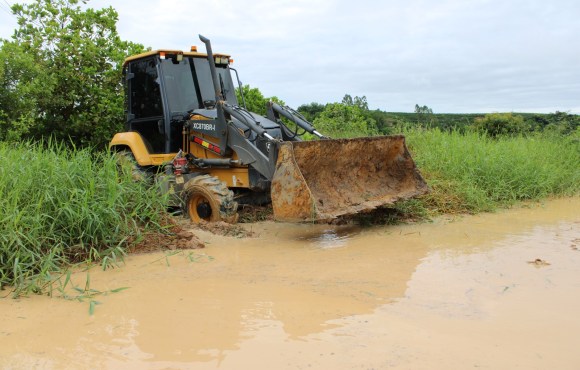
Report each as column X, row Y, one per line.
column 324, row 179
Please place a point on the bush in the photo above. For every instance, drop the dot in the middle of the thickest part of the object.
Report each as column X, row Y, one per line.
column 60, row 206
column 342, row 121
column 501, row 124
column 255, row 100
column 311, row 111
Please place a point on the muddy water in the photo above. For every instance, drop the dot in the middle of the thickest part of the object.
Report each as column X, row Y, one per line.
column 498, row 291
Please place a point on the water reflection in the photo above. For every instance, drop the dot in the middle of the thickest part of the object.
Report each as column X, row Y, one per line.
column 329, row 237
column 292, row 283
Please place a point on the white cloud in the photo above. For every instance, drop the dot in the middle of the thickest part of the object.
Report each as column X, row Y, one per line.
column 452, row 55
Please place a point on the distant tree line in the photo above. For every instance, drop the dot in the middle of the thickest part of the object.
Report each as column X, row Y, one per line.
column 492, row 124
column 60, row 76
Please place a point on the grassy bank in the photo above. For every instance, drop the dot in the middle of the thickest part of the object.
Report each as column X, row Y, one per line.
column 470, row 172
column 59, row 206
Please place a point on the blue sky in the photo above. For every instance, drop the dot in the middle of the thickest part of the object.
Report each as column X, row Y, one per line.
column 455, row 56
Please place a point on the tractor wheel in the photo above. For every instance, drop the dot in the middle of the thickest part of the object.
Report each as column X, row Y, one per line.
column 127, row 159
column 209, row 199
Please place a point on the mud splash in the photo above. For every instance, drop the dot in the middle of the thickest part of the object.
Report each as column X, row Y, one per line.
column 456, row 293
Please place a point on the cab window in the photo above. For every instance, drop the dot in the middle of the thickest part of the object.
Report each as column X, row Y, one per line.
column 145, row 93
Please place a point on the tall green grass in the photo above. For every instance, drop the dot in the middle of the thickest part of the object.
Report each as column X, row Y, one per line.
column 59, row 206
column 470, row 172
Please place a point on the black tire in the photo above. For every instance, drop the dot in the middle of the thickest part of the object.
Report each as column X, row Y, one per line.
column 126, row 159
column 209, row 199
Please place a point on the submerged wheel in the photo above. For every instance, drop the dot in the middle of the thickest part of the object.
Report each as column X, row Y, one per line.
column 209, row 199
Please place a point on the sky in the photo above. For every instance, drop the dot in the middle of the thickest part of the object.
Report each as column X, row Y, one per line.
column 455, row 56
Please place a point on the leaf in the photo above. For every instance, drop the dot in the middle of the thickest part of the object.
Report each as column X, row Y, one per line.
column 88, row 283
column 119, row 289
column 78, row 289
column 92, row 305
column 67, row 280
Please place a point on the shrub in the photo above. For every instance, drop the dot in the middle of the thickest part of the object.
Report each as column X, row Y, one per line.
column 501, row 124
column 340, row 121
column 255, row 100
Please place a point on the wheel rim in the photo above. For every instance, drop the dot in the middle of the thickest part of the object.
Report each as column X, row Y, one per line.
column 208, row 199
column 199, row 208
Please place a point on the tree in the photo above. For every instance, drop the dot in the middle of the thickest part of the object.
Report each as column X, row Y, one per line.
column 501, row 124
column 79, row 92
column 255, row 100
column 342, row 120
column 386, row 123
column 562, row 123
column 347, row 100
column 423, row 110
column 357, row 101
column 311, row 111
column 22, row 82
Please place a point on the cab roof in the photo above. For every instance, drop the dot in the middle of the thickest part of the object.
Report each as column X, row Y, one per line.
column 194, row 54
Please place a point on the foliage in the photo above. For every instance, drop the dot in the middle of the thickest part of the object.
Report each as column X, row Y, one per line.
column 501, row 124
column 340, row 121
column 255, row 100
column 311, row 111
column 386, row 123
column 559, row 122
column 59, row 206
column 423, row 109
column 349, row 118
column 358, row 101
column 62, row 72
column 471, row 172
column 21, row 81
column 425, row 116
column 444, row 121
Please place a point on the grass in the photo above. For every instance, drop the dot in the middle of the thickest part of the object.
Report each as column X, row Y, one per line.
column 60, row 206
column 470, row 172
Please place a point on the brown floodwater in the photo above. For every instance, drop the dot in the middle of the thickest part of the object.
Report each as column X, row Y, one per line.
column 495, row 291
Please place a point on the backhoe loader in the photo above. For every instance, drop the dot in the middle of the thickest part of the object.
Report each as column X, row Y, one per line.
column 186, row 130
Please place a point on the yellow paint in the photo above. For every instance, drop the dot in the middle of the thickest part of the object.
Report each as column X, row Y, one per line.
column 160, row 159
column 202, row 151
column 233, row 177
column 168, row 52
column 135, row 143
column 227, row 175
column 237, row 177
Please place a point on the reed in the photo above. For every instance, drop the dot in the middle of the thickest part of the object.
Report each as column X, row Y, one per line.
column 60, row 206
column 470, row 172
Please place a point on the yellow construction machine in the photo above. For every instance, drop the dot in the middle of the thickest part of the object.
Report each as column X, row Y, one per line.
column 188, row 132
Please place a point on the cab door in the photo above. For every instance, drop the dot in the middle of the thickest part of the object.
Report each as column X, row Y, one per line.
column 144, row 104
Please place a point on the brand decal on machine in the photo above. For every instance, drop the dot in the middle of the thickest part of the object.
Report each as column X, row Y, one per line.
column 203, row 126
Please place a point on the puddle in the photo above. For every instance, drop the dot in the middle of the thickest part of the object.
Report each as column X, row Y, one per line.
column 455, row 293
column 327, row 237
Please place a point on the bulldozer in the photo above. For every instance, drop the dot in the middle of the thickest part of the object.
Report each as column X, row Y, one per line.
column 187, row 132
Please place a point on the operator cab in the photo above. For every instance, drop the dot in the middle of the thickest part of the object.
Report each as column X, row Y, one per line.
column 164, row 87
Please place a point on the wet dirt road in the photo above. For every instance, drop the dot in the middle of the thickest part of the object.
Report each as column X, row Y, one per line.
column 495, row 291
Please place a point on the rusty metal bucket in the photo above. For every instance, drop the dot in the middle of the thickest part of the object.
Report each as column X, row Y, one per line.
column 324, row 179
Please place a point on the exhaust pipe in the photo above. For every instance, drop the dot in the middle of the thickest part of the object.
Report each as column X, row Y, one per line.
column 218, row 93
